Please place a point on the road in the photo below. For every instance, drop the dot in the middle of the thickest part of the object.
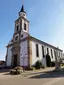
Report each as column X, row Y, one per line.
column 33, row 78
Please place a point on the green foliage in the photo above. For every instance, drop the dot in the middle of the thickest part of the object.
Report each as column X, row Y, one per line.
column 30, row 68
column 61, row 64
column 52, row 64
column 12, row 71
column 48, row 60
column 38, row 65
column 43, row 66
column 16, row 70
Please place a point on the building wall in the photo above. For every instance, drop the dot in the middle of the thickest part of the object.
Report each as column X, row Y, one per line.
column 35, row 58
column 9, row 56
column 24, row 35
column 24, row 53
column 52, row 59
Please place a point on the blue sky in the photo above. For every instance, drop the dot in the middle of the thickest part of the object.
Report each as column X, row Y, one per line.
column 46, row 21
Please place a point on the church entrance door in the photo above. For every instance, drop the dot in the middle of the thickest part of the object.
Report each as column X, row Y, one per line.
column 15, row 60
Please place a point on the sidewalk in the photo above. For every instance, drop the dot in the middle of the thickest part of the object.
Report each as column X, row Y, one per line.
column 37, row 72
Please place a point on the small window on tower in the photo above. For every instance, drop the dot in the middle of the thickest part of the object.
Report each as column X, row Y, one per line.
column 16, row 38
column 24, row 26
column 22, row 36
column 11, row 40
column 23, row 14
column 17, row 29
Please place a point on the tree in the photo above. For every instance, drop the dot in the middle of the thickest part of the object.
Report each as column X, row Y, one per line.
column 48, row 60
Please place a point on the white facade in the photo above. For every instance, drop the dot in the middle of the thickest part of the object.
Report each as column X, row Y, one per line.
column 41, row 58
column 24, row 53
column 9, row 56
column 34, row 57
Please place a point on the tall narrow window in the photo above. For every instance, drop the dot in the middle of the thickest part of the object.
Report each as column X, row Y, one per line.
column 17, row 28
column 43, row 51
column 24, row 26
column 47, row 51
column 51, row 53
column 37, row 50
column 59, row 54
column 55, row 54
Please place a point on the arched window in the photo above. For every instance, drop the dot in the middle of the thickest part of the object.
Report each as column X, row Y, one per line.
column 37, row 50
column 25, row 26
column 51, row 53
column 43, row 51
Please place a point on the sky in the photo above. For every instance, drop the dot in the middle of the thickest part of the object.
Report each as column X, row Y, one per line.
column 46, row 21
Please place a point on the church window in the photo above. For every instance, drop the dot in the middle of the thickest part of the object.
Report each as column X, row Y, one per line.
column 17, row 28
column 59, row 54
column 11, row 40
column 23, row 14
column 51, row 53
column 16, row 38
column 22, row 36
column 24, row 26
column 55, row 53
column 37, row 50
column 43, row 51
column 47, row 51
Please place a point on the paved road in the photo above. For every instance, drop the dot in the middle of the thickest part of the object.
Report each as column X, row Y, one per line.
column 20, row 80
column 33, row 78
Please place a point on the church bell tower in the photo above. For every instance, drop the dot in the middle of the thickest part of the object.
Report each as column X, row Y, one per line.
column 21, row 25
column 17, row 46
column 21, row 31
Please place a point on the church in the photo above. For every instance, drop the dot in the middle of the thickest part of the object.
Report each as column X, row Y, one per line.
column 25, row 50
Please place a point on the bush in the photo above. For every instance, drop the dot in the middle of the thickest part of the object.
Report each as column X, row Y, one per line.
column 43, row 66
column 38, row 65
column 30, row 68
column 12, row 71
column 61, row 64
column 52, row 64
column 48, row 60
column 16, row 70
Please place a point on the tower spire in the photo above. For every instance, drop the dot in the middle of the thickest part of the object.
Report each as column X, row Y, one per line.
column 22, row 8
column 22, row 12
